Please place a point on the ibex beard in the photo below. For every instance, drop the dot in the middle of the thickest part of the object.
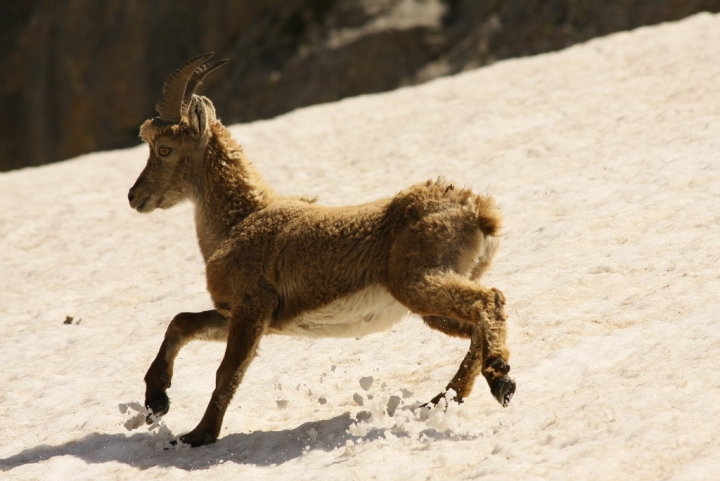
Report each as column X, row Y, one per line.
column 281, row 265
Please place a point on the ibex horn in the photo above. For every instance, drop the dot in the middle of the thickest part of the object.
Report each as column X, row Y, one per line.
column 170, row 106
column 197, row 77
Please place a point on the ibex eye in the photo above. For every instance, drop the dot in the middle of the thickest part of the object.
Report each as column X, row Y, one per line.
column 164, row 151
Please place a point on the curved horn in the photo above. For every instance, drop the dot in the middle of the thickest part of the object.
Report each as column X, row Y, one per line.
column 197, row 77
column 170, row 105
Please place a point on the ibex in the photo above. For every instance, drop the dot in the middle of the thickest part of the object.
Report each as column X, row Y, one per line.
column 281, row 265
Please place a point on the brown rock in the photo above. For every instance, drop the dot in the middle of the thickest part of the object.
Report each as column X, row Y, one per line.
column 81, row 75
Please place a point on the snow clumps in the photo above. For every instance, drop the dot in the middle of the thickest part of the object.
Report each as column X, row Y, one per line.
column 161, row 438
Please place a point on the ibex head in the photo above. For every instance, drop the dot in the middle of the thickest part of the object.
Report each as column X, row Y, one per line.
column 176, row 137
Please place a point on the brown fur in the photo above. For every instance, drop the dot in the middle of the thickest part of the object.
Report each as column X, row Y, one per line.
column 278, row 265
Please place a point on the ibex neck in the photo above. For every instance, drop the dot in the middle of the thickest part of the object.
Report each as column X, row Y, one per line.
column 229, row 190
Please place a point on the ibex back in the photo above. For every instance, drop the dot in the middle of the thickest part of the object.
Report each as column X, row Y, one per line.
column 289, row 266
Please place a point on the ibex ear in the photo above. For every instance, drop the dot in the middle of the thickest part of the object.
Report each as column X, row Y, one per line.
column 198, row 115
column 210, row 109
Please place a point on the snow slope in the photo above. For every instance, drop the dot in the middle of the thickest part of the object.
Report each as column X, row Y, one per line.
column 605, row 159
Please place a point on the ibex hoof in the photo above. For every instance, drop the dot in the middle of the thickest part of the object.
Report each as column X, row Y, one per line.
column 198, row 438
column 436, row 400
column 159, row 405
column 503, row 389
column 501, row 386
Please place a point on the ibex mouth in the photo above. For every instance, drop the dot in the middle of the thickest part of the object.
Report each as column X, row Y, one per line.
column 142, row 206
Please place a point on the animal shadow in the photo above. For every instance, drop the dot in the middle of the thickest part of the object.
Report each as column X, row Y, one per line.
column 260, row 448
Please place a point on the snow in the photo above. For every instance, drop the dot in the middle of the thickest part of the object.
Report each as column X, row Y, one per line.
column 605, row 160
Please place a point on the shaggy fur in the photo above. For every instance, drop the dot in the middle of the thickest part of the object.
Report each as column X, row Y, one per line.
column 290, row 266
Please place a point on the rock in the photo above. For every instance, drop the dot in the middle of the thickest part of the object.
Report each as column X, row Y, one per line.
column 82, row 75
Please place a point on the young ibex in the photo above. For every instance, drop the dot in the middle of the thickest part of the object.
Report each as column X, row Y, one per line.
column 279, row 265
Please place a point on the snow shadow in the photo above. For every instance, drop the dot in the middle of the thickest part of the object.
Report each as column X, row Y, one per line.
column 260, row 448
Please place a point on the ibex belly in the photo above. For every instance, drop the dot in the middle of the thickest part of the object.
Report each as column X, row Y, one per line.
column 370, row 310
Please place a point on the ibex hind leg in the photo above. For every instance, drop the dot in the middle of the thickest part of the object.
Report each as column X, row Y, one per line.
column 185, row 327
column 463, row 381
column 445, row 297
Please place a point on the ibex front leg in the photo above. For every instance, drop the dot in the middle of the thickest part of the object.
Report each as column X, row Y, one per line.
column 185, row 327
column 246, row 329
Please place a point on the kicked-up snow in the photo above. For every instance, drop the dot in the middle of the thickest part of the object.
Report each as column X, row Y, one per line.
column 605, row 160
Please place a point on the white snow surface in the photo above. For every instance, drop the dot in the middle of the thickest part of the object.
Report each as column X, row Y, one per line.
column 605, row 160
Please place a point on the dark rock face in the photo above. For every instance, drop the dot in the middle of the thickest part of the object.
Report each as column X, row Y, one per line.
column 82, row 75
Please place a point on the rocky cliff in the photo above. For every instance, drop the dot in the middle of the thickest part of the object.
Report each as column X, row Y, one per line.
column 81, row 75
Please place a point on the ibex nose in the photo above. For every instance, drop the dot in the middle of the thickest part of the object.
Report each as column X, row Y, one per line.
column 131, row 196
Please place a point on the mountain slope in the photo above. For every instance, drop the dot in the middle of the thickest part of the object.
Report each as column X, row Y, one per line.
column 605, row 160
